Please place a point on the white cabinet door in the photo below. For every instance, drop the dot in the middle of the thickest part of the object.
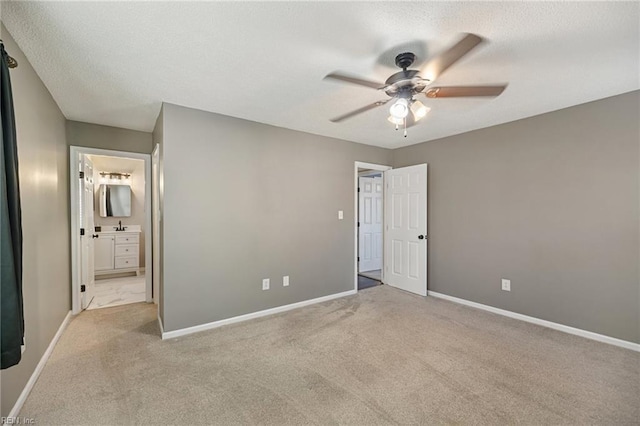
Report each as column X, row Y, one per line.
column 104, row 252
column 370, row 219
column 406, row 228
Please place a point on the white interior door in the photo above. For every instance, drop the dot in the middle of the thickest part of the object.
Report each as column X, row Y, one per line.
column 86, row 206
column 406, row 228
column 370, row 219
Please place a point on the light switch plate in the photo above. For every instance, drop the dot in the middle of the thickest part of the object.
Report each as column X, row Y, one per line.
column 265, row 284
column 340, row 214
column 506, row 285
column 285, row 281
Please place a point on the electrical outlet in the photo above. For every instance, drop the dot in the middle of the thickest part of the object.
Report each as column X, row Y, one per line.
column 265, row 284
column 285, row 281
column 506, row 285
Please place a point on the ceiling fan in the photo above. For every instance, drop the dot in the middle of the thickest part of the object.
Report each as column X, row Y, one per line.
column 404, row 85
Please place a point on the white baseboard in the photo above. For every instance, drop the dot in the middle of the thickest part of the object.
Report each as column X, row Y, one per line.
column 253, row 315
column 36, row 373
column 560, row 327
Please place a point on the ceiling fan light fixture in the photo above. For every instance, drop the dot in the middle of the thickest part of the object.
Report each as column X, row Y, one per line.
column 403, row 86
column 419, row 110
column 395, row 120
column 400, row 108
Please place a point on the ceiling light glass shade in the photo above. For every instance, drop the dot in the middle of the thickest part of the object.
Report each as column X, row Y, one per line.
column 419, row 110
column 400, row 108
column 396, row 121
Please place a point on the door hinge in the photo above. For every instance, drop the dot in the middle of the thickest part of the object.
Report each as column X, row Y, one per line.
column 358, row 189
column 83, row 288
column 81, row 231
column 81, row 175
column 358, row 258
column 358, row 224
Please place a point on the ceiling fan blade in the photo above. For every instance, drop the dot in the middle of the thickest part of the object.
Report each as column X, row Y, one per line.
column 464, row 91
column 355, row 80
column 358, row 111
column 437, row 65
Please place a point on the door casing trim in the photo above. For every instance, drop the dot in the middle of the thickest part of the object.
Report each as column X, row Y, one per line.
column 74, row 182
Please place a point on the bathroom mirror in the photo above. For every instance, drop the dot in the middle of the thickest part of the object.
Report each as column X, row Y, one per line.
column 115, row 200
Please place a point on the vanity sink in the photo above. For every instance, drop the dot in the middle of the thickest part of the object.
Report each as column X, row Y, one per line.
column 117, row 251
column 112, row 229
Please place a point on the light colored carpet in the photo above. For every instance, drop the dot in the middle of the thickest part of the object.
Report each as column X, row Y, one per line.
column 379, row 357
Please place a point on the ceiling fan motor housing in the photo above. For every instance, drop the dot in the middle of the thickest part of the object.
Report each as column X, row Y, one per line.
column 404, row 81
column 404, row 60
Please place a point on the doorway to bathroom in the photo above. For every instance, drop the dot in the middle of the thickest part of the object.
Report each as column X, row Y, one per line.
column 111, row 228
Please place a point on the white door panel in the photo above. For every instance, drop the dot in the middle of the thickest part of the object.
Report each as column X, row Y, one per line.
column 397, row 257
column 406, row 228
column 86, row 207
column 371, row 223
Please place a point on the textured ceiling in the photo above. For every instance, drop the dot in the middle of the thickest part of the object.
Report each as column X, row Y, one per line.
column 113, row 63
column 116, row 164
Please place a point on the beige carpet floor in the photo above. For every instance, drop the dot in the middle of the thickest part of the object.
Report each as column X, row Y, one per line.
column 379, row 357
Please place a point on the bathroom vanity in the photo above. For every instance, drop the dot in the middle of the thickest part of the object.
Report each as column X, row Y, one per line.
column 117, row 251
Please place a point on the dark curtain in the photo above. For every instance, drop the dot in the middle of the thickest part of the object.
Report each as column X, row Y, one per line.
column 12, row 315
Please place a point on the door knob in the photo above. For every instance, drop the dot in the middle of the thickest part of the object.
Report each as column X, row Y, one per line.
column 95, row 236
column 421, row 237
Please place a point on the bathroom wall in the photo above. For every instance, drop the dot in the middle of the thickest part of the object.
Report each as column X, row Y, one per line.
column 136, row 169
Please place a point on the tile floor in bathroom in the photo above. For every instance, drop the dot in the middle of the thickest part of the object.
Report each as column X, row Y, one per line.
column 118, row 291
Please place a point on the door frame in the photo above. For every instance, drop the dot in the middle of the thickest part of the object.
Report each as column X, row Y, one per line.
column 74, row 187
column 376, row 167
column 155, row 222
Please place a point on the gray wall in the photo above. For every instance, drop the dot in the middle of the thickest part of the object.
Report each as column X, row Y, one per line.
column 245, row 201
column 550, row 202
column 44, row 186
column 106, row 137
